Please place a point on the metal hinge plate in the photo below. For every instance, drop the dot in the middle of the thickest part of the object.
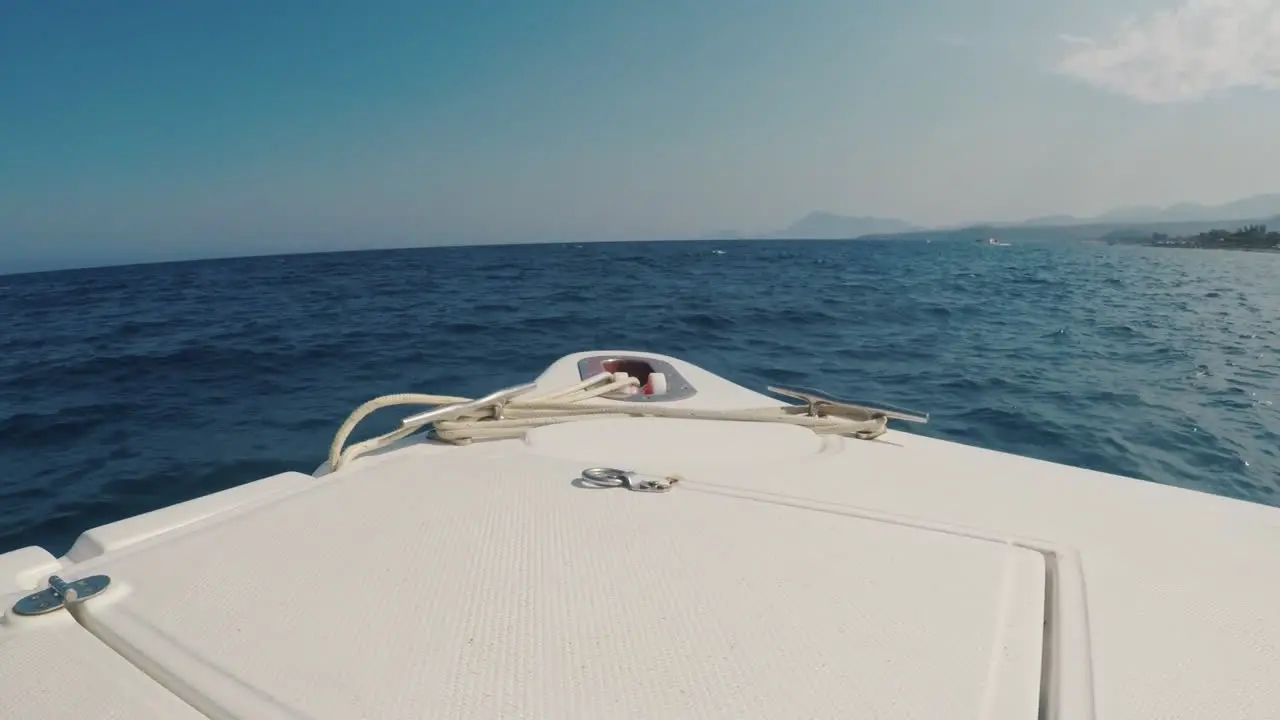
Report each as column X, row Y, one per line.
column 61, row 593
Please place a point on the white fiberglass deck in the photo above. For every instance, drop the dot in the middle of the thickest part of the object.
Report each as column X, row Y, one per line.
column 787, row 575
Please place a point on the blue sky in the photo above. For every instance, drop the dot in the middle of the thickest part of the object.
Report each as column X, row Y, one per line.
column 139, row 130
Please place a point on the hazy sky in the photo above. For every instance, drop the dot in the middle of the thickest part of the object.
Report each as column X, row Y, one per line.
column 148, row 129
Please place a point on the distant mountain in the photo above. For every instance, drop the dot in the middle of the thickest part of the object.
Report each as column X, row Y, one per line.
column 1141, row 218
column 1258, row 206
column 824, row 226
column 1130, row 213
column 1051, row 220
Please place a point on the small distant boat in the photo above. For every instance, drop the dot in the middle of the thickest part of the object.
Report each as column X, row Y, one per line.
column 993, row 242
column 717, row 252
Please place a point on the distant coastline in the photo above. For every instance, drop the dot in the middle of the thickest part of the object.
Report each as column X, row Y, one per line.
column 1250, row 237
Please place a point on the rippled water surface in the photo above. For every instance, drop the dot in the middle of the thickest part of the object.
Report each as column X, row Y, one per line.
column 126, row 389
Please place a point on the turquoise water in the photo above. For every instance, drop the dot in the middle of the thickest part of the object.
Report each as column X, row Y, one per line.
column 126, row 389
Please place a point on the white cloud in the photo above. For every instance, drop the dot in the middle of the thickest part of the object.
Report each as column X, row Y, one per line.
column 1184, row 53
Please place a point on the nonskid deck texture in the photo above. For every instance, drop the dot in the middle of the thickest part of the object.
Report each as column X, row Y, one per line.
column 786, row 574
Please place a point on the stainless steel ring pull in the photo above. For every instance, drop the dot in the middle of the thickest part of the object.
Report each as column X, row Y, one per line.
column 613, row 477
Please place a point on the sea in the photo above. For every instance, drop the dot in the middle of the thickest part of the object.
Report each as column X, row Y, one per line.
column 126, row 389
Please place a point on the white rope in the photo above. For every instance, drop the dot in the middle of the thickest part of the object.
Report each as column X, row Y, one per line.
column 514, row 417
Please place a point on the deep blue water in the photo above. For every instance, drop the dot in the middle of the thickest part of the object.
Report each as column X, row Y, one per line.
column 126, row 389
